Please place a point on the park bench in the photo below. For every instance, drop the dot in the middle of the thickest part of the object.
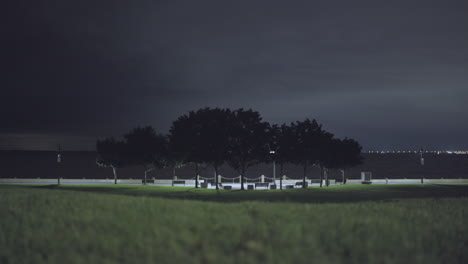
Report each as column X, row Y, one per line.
column 214, row 184
column 262, row 184
column 289, row 186
column 340, row 180
column 147, row 181
column 179, row 182
column 315, row 181
column 227, row 187
column 299, row 184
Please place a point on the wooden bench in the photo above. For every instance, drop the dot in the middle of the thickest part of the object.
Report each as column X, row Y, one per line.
column 214, row 184
column 262, row 184
column 228, row 187
column 179, row 182
column 289, row 186
column 299, row 184
column 340, row 181
column 315, row 181
column 147, row 181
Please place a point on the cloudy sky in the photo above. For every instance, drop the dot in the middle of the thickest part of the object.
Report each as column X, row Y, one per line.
column 391, row 74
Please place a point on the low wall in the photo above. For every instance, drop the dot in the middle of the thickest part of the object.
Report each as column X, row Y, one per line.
column 192, row 182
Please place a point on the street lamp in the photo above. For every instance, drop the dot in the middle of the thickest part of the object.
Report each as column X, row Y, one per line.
column 422, row 164
column 59, row 159
column 272, row 152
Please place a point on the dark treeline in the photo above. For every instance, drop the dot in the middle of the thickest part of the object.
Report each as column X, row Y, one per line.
column 212, row 137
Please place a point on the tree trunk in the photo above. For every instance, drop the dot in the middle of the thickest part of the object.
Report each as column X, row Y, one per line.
column 327, row 183
column 196, row 175
column 144, row 180
column 114, row 170
column 321, row 175
column 58, row 174
column 216, row 178
column 242, row 178
column 173, row 175
column 304, row 176
column 281, row 176
column 325, row 175
column 242, row 181
column 342, row 176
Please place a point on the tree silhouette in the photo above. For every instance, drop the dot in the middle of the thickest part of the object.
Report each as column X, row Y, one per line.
column 146, row 148
column 215, row 137
column 173, row 159
column 309, row 144
column 111, row 153
column 248, row 141
column 186, row 141
column 325, row 147
column 345, row 154
column 202, row 137
column 282, row 141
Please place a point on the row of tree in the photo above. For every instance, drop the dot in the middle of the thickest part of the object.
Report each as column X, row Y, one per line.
column 211, row 137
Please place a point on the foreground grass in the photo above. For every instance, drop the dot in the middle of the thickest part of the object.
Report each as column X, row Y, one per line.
column 107, row 224
column 335, row 194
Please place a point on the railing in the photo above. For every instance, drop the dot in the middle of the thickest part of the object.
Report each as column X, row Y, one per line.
column 235, row 180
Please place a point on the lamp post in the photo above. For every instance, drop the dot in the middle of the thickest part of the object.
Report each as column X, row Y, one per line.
column 272, row 152
column 422, row 165
column 59, row 159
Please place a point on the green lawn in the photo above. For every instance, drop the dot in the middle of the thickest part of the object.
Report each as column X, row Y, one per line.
column 148, row 224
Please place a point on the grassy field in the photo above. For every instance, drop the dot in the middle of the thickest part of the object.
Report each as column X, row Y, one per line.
column 148, row 224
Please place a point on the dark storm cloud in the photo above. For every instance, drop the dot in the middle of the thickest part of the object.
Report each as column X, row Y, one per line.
column 388, row 73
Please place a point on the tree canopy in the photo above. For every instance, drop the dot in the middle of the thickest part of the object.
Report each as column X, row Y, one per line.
column 214, row 136
column 248, row 141
column 111, row 153
column 310, row 144
column 146, row 148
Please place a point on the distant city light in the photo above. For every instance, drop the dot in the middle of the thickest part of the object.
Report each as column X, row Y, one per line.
column 457, row 152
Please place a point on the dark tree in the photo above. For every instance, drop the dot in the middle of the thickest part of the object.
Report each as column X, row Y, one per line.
column 185, row 141
column 345, row 154
column 311, row 141
column 248, row 141
column 111, row 153
column 173, row 159
column 325, row 146
column 202, row 137
column 331, row 158
column 146, row 148
column 215, row 133
column 282, row 141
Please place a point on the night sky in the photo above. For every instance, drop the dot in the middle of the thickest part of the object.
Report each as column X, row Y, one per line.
column 391, row 74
